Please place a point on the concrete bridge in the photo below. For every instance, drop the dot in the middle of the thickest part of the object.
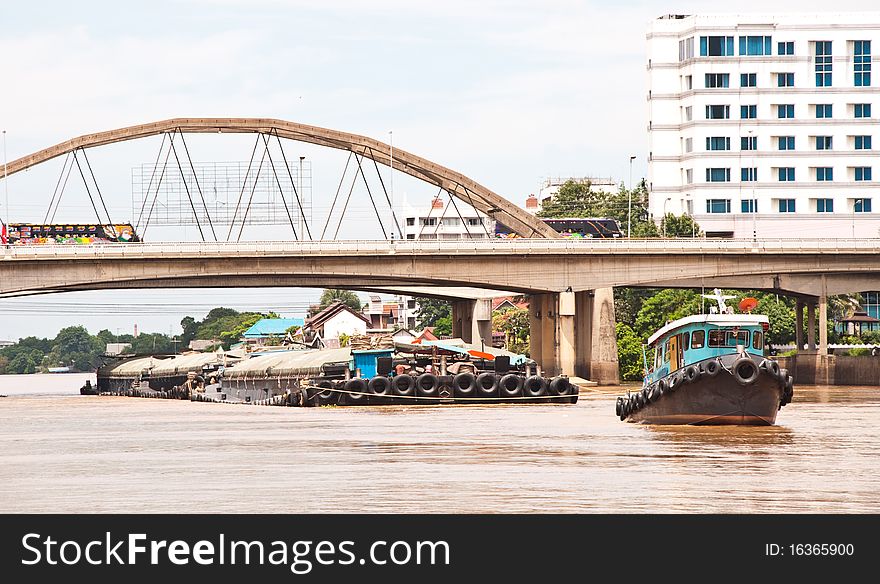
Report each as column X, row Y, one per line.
column 569, row 281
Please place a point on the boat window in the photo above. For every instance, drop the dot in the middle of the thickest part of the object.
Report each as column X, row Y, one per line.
column 666, row 350
column 758, row 341
column 728, row 338
column 698, row 339
column 685, row 340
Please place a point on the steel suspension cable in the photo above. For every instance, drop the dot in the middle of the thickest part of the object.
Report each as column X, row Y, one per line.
column 333, row 205
column 375, row 208
column 198, row 186
column 243, row 185
column 97, row 188
column 295, row 193
column 280, row 190
column 150, row 184
column 186, row 188
column 57, row 185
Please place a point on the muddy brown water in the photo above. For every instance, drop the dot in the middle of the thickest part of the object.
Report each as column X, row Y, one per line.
column 62, row 452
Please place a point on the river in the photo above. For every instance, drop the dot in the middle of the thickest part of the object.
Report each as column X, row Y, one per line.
column 62, row 452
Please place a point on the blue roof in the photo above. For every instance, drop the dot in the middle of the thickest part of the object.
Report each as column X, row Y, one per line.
column 272, row 326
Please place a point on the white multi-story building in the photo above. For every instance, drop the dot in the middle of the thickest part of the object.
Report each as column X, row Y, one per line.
column 766, row 125
column 444, row 220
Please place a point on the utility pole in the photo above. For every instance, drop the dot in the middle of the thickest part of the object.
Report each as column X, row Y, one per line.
column 6, row 177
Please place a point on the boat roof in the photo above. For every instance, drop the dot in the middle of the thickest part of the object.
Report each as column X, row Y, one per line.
column 716, row 319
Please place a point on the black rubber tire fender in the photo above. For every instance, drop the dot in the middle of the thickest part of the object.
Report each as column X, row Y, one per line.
column 427, row 385
column 487, row 384
column 745, row 371
column 535, row 386
column 358, row 386
column 712, row 368
column 692, row 373
column 403, row 385
column 464, row 385
column 663, row 385
column 510, row 385
column 618, row 407
column 380, row 385
column 772, row 367
column 561, row 386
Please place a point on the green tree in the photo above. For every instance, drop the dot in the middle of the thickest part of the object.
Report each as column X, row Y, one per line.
column 24, row 363
column 666, row 305
column 189, row 326
column 576, row 199
column 629, row 353
column 331, row 295
column 74, row 347
column 780, row 313
column 514, row 323
column 443, row 326
column 156, row 343
column 679, row 226
column 431, row 310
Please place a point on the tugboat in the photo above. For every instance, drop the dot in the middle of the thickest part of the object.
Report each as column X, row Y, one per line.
column 710, row 369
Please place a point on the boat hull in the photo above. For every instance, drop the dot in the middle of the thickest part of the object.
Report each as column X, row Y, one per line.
column 722, row 399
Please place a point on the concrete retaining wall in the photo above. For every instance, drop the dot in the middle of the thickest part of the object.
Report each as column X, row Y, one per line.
column 810, row 369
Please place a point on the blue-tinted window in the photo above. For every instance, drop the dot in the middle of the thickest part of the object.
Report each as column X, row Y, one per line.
column 823, row 142
column 717, row 175
column 863, row 142
column 717, row 205
column 717, row 143
column 786, row 174
column 824, row 174
column 748, row 112
column 748, row 80
column 755, row 45
column 717, row 80
column 786, row 142
column 786, row 48
column 786, row 205
column 748, row 143
column 862, row 110
column 862, row 206
column 785, row 111
column 785, row 79
column 717, row 112
column 823, row 63
column 749, row 206
column 824, row 110
column 748, row 174
column 825, row 205
column 716, row 46
column 863, row 173
column 862, row 63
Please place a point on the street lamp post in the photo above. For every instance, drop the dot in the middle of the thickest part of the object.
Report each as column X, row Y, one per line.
column 5, row 178
column 630, row 192
column 663, row 220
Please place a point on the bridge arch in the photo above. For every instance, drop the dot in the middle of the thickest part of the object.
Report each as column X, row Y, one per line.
column 455, row 183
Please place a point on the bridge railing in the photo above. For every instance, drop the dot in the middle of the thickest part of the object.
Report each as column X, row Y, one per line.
column 459, row 247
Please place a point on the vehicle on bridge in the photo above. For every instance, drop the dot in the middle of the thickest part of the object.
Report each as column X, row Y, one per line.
column 70, row 233
column 573, row 227
column 710, row 369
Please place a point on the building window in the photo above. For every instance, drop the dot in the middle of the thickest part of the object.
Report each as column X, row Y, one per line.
column 825, row 205
column 862, row 206
column 755, row 45
column 688, row 82
column 824, row 174
column 688, row 113
column 823, row 63
column 824, row 110
column 474, row 221
column 748, row 112
column 749, row 174
column 410, row 221
column 786, row 142
column 785, row 48
column 717, row 143
column 410, row 235
column 717, row 80
column 717, row 205
column 717, row 175
column 863, row 142
column 428, row 221
column 823, row 142
column 749, row 205
column 689, row 176
column 862, row 110
column 785, row 111
column 688, row 144
column 748, row 143
column 716, row 46
column 785, row 79
column 862, row 63
column 717, row 112
column 786, row 205
column 863, row 173
column 748, row 80
column 786, row 174
column 686, row 49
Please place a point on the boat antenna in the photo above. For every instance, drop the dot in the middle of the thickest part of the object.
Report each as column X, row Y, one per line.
column 719, row 298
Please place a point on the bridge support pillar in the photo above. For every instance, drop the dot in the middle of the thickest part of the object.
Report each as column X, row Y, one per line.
column 799, row 325
column 567, row 333
column 462, row 316
column 583, row 302
column 811, row 326
column 823, row 325
column 604, row 368
column 481, row 322
column 549, row 340
column 535, row 336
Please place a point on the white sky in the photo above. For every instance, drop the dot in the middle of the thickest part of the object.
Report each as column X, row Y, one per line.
column 507, row 92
